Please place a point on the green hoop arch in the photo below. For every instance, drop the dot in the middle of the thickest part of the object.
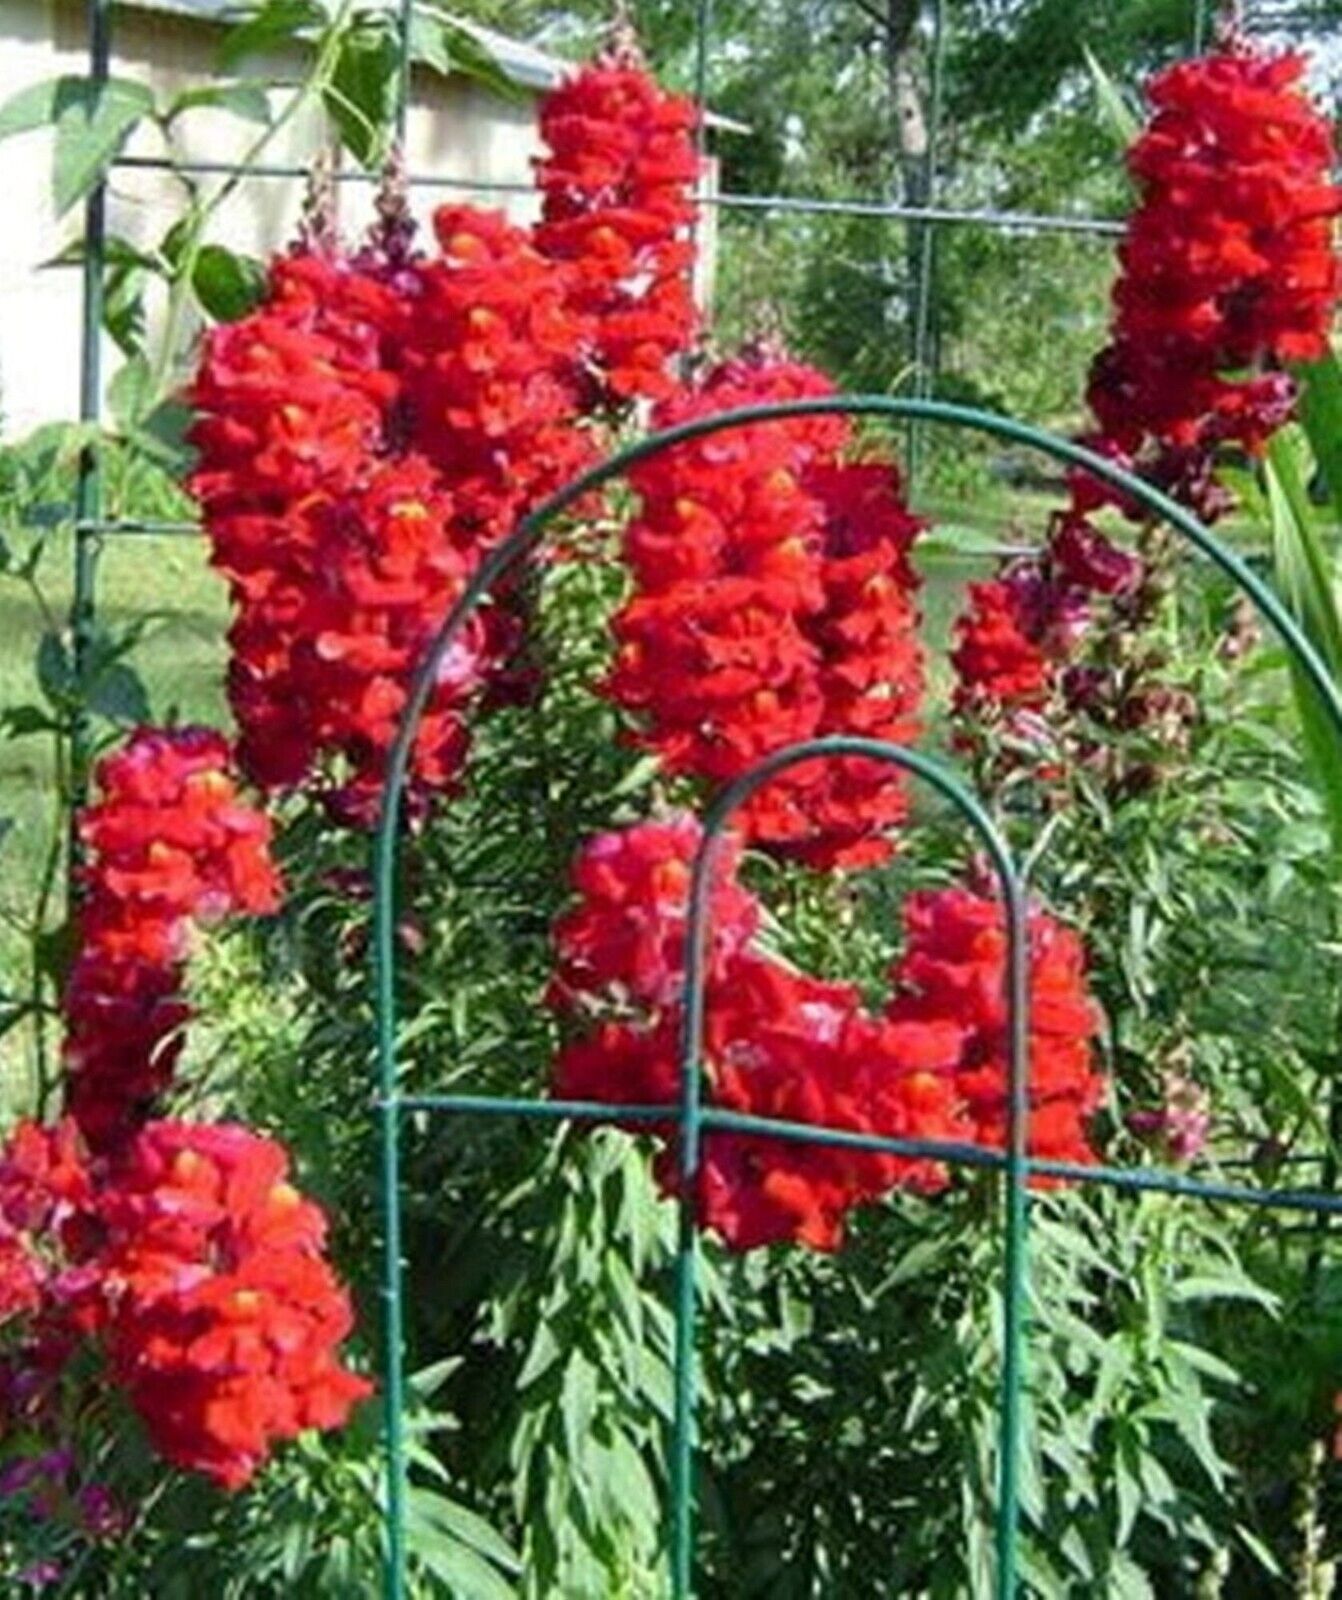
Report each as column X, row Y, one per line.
column 692, row 1118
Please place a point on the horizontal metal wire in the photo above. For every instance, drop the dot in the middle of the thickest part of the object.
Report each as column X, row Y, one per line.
column 985, row 217
column 146, row 527
column 953, row 1153
column 1035, row 221
column 933, row 547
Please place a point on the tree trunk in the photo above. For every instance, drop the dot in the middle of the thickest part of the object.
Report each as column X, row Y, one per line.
column 912, row 139
column 912, row 136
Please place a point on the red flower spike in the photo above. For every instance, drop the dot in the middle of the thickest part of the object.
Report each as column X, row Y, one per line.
column 617, row 208
column 994, row 657
column 491, row 380
column 773, row 604
column 628, row 929
column 171, row 845
column 871, row 661
column 1228, row 262
column 953, row 970
column 783, row 1045
column 197, row 1268
column 1228, row 274
column 366, row 434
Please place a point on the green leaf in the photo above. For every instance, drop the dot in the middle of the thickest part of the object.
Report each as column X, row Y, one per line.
column 246, row 100
column 55, row 673
column 429, row 35
column 173, row 245
column 32, row 107
column 426, row 1381
column 128, row 392
column 1304, row 576
column 1321, row 416
column 17, row 721
column 161, row 435
column 51, row 447
column 472, row 1529
column 1260, row 1552
column 954, row 541
column 226, row 284
column 55, row 949
column 119, row 695
column 123, row 308
column 1230, row 1286
column 578, row 1403
column 116, row 252
column 442, row 43
column 1118, row 114
column 1190, row 1414
column 361, row 97
column 275, row 22
column 432, row 1524
column 93, row 122
column 543, row 1354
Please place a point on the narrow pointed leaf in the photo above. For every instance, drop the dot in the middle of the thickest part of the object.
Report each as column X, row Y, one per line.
column 1303, row 572
column 1321, row 416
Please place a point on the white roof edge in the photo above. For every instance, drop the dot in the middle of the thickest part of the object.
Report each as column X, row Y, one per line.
column 527, row 66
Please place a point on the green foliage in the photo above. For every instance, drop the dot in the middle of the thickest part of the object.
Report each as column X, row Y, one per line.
column 91, row 123
column 1304, row 572
column 227, row 285
column 360, row 95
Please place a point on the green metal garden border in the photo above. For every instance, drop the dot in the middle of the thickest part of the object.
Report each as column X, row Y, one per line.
column 692, row 1117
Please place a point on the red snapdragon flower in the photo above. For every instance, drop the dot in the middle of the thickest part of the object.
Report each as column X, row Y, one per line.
column 294, row 404
column 627, row 929
column 712, row 649
column 1228, row 262
column 871, row 661
column 1228, row 273
column 781, row 1045
column 226, row 1320
column 953, row 970
column 784, row 1045
column 773, row 604
column 995, row 659
column 365, row 435
column 490, row 372
column 171, row 845
column 192, row 1263
column 617, row 207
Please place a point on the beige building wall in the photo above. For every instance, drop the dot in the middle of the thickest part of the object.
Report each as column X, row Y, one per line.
column 456, row 130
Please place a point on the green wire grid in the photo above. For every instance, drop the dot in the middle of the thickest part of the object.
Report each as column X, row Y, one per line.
column 693, row 1118
column 696, row 1119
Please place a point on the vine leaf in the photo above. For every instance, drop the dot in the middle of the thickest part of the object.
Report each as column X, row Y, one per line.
column 226, row 284
column 93, row 122
column 273, row 23
column 361, row 97
column 246, row 100
column 1116, row 109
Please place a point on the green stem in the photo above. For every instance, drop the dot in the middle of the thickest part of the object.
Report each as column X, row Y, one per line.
column 43, row 1081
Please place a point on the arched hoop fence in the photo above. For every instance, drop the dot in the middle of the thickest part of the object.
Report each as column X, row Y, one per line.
column 695, row 1119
